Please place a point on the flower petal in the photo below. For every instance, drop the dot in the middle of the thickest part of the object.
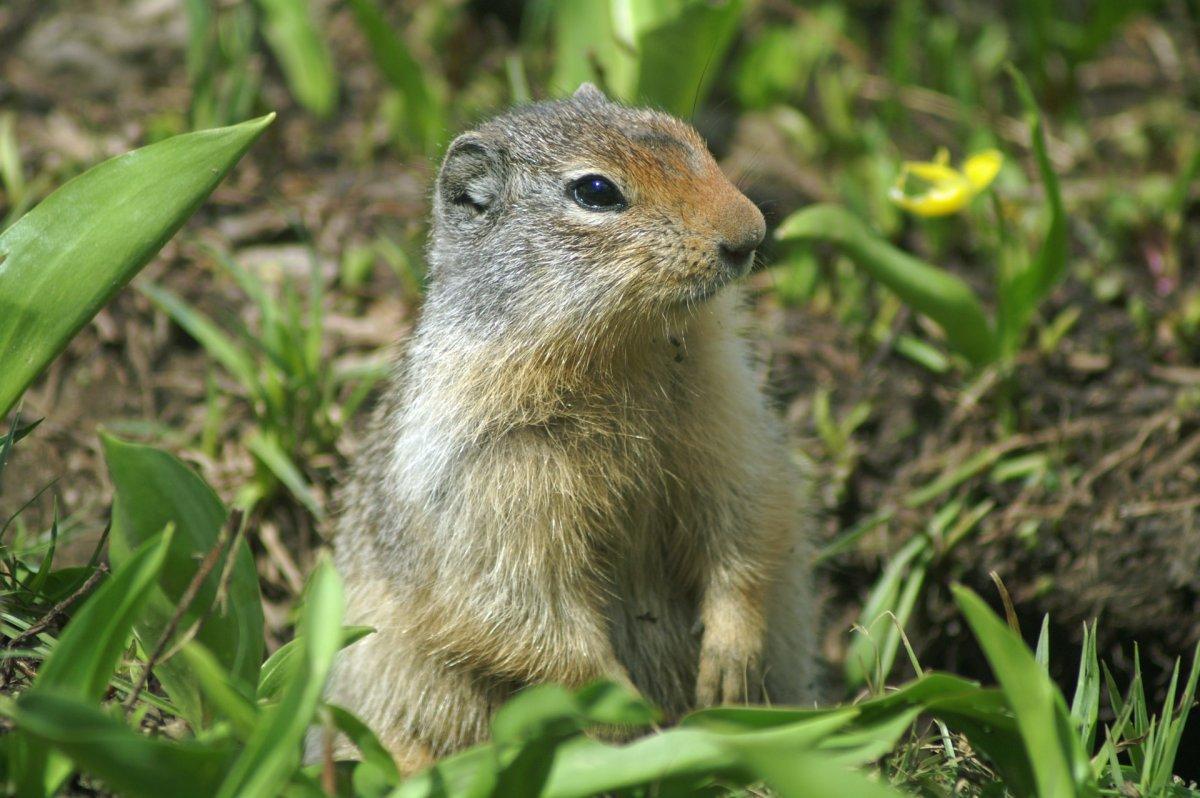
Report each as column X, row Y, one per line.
column 930, row 171
column 942, row 199
column 981, row 169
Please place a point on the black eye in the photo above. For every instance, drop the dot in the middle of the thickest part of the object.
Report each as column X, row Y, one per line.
column 597, row 193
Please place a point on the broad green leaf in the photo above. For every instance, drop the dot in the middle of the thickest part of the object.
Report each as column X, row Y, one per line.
column 606, row 702
column 211, row 677
column 586, row 49
column 679, row 57
column 62, row 261
column 808, row 774
column 375, row 758
column 152, row 489
column 422, row 108
column 302, row 53
column 272, row 753
column 1052, row 746
column 129, row 763
column 85, row 656
column 663, row 53
column 582, row 766
column 937, row 294
column 798, row 751
column 534, row 724
column 470, row 774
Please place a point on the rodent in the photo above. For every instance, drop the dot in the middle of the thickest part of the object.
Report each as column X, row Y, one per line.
column 573, row 475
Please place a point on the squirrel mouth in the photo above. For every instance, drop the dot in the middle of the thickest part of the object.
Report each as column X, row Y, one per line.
column 706, row 288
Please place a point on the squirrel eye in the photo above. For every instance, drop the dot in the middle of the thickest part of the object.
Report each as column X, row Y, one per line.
column 596, row 193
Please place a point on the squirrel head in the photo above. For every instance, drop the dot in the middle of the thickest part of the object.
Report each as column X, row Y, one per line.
column 582, row 215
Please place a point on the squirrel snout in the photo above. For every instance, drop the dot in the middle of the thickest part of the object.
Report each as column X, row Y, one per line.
column 739, row 242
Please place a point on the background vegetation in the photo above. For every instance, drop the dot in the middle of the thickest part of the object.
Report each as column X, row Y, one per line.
column 991, row 354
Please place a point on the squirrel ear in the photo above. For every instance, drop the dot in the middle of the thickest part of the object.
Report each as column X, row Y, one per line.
column 471, row 179
column 588, row 93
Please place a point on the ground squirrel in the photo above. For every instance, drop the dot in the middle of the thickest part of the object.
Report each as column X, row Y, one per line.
column 573, row 475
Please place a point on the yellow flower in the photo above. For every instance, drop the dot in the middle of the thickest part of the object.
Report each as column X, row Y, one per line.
column 947, row 190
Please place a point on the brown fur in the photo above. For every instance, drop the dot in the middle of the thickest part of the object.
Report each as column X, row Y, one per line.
column 574, row 475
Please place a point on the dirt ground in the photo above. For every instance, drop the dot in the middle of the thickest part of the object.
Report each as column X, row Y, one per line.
column 1114, row 407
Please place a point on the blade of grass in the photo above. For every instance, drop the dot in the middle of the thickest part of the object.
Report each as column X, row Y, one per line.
column 422, row 108
column 272, row 455
column 214, row 340
column 1022, row 289
column 1051, row 744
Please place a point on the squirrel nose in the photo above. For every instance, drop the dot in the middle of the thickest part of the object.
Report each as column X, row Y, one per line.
column 738, row 249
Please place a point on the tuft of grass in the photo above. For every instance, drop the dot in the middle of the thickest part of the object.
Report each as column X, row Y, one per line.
column 297, row 399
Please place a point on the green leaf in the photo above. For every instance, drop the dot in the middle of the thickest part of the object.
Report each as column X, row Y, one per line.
column 981, row 714
column 586, row 48
column 664, row 53
column 1052, row 746
column 422, row 109
column 86, row 654
column 272, row 753
column 808, row 774
column 207, row 672
column 216, row 343
column 1021, row 290
column 272, row 455
column 679, row 57
column 469, row 774
column 62, row 261
column 302, row 53
column 152, row 489
column 1085, row 706
column 887, row 607
column 278, row 667
column 541, row 718
column 14, row 434
column 937, row 294
column 375, row 758
column 129, row 763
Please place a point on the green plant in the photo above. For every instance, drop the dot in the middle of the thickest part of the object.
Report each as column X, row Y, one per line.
column 1021, row 282
column 225, row 68
column 18, row 192
column 664, row 54
column 423, row 112
column 302, row 53
column 248, row 741
column 64, row 259
column 282, row 372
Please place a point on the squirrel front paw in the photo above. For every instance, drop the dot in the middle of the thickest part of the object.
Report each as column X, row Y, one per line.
column 728, row 675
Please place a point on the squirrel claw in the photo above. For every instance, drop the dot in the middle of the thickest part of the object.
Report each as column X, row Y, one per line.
column 728, row 678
